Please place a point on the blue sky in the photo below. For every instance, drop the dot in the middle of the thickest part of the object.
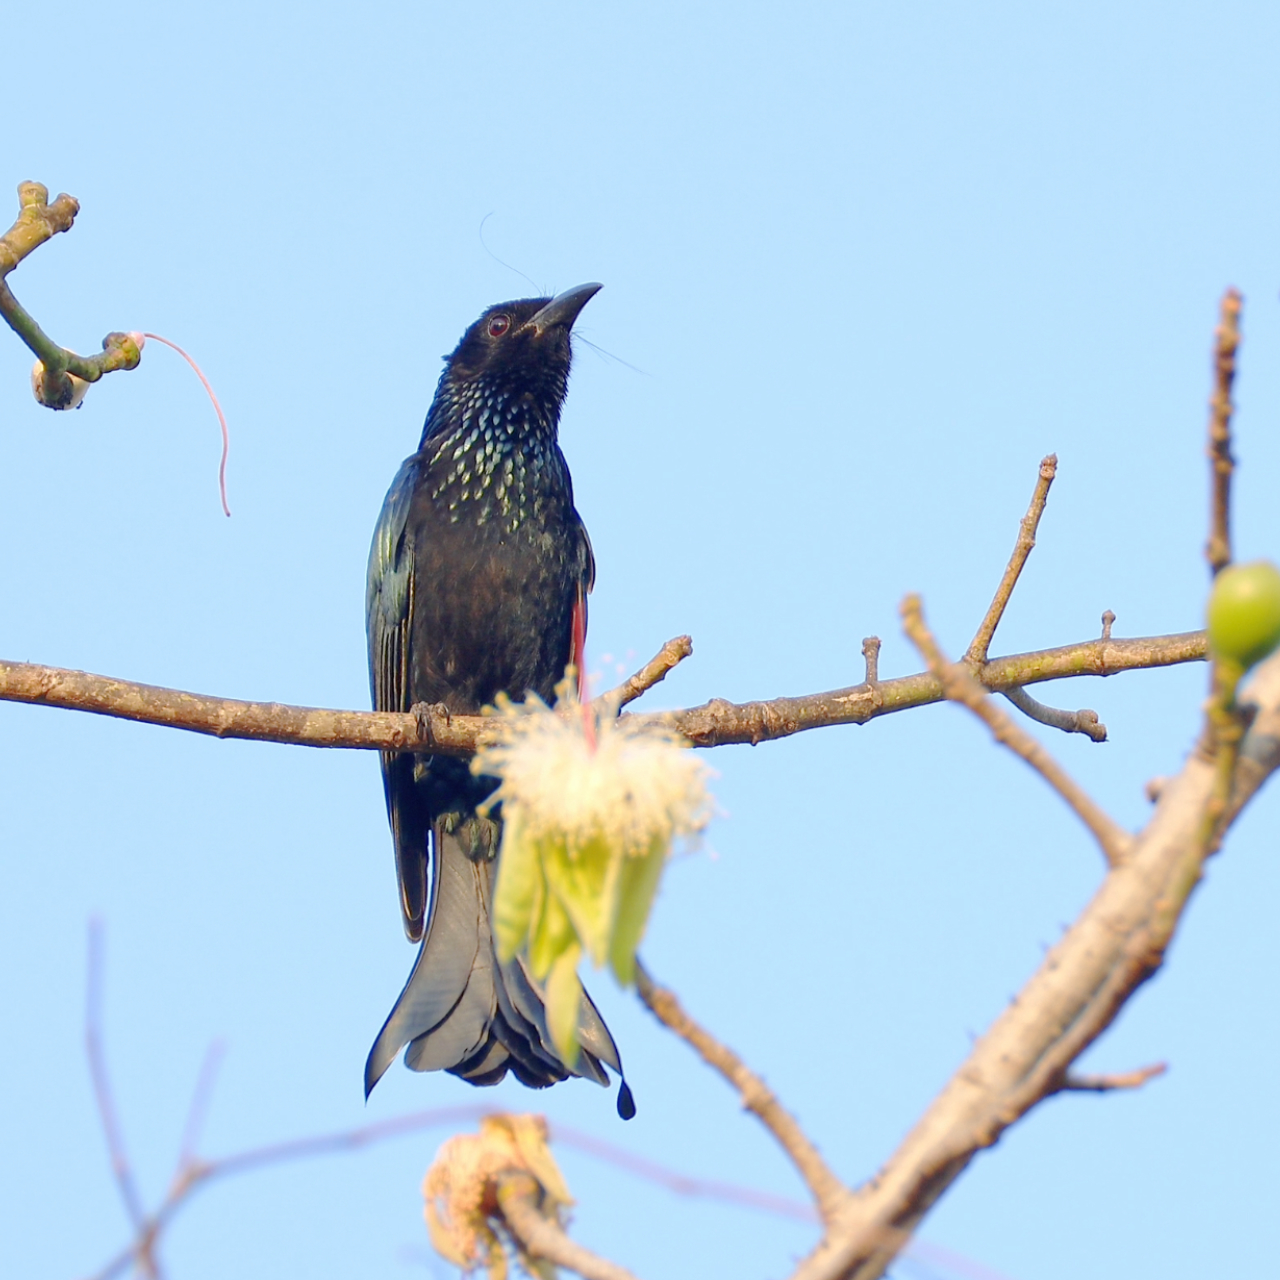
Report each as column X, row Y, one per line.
column 864, row 266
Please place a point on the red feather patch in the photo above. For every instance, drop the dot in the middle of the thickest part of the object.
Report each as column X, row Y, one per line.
column 578, row 644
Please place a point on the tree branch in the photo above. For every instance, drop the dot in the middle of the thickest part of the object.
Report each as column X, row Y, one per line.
column 543, row 1238
column 1115, row 945
column 871, row 655
column 104, row 1096
column 1072, row 1083
column 715, row 723
column 977, row 651
column 37, row 221
column 653, row 672
column 1221, row 463
column 961, row 687
column 1083, row 721
column 829, row 1193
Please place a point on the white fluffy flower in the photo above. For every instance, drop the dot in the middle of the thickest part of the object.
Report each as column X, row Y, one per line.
column 591, row 807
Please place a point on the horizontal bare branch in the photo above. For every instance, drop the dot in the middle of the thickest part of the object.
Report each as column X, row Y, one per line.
column 715, row 723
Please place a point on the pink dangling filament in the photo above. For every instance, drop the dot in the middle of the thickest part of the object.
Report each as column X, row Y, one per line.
column 222, row 421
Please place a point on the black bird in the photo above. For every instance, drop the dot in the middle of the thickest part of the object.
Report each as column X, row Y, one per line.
column 478, row 578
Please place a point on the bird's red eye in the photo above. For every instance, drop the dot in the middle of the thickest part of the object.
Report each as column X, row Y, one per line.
column 498, row 325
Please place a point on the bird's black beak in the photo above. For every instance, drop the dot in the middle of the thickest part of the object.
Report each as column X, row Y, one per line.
column 563, row 309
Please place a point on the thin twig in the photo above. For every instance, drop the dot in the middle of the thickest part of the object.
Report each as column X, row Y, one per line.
column 681, row 1183
column 1082, row 721
column 961, row 687
column 201, row 1097
column 654, row 671
column 1221, row 463
column 543, row 1238
column 871, row 655
column 715, row 723
column 977, row 652
column 102, row 1091
column 194, row 1173
column 828, row 1191
column 1109, row 1083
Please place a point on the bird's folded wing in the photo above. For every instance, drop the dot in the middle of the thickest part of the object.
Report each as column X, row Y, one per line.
column 388, row 608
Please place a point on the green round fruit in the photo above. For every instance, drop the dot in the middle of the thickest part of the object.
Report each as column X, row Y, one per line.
column 1244, row 612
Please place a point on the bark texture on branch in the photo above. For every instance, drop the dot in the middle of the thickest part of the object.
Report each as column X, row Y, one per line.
column 715, row 723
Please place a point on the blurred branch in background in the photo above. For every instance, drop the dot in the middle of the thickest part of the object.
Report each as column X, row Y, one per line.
column 193, row 1172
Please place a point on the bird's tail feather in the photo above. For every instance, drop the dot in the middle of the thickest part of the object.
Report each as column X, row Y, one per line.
column 465, row 1012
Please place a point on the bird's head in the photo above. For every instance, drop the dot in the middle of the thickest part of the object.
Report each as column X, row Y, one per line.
column 518, row 351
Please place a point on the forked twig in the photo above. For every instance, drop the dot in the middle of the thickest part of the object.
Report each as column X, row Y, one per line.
column 960, row 686
column 37, row 221
column 977, row 651
column 828, row 1191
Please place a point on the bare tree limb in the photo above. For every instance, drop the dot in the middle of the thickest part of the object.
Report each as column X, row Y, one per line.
column 543, row 1238
column 1083, row 721
column 715, row 723
column 829, row 1193
column 1115, row 945
column 977, row 651
column 961, row 687
column 1221, row 463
